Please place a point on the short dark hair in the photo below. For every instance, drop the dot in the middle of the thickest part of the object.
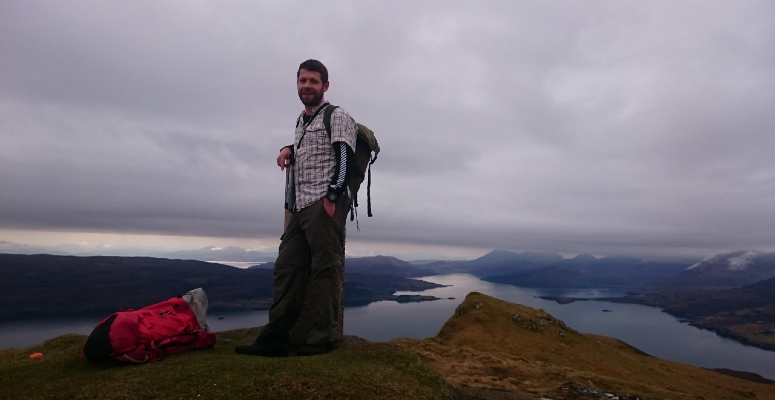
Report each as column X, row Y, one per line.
column 315, row 66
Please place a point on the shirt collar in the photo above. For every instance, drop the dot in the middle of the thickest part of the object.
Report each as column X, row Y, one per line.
column 315, row 110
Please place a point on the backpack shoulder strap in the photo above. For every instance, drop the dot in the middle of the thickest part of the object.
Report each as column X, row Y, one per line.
column 327, row 118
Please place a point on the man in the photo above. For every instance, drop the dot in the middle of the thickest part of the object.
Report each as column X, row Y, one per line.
column 312, row 247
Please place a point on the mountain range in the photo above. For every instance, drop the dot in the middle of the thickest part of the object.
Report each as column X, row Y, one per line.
column 727, row 270
column 48, row 285
column 551, row 270
column 376, row 265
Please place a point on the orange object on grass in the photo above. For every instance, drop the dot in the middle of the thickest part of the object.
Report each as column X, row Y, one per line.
column 36, row 355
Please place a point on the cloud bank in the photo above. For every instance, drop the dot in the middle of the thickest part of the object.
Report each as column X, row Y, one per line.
column 601, row 127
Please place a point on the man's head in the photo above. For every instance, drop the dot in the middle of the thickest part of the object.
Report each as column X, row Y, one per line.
column 311, row 82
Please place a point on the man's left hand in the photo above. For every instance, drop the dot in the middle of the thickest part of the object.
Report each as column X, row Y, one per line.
column 329, row 206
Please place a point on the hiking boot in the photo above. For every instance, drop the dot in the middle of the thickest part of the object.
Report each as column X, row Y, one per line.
column 315, row 349
column 263, row 350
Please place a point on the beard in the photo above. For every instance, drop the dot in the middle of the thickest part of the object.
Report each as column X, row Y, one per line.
column 317, row 97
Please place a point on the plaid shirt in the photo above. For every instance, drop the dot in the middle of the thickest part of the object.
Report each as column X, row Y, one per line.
column 314, row 157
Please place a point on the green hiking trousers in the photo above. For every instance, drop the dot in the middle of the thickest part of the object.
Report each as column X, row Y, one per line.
column 311, row 253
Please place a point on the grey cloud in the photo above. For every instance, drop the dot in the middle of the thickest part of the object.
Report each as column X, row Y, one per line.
column 635, row 127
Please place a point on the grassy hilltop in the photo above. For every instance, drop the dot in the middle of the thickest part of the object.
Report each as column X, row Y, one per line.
column 355, row 371
column 489, row 349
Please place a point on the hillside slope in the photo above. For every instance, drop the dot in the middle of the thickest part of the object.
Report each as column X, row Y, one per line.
column 491, row 344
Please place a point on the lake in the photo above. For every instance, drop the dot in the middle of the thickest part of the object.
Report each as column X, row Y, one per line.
column 646, row 328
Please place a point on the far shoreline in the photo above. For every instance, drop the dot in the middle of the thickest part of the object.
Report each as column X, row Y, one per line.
column 721, row 331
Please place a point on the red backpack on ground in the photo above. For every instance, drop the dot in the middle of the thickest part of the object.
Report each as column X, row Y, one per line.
column 148, row 334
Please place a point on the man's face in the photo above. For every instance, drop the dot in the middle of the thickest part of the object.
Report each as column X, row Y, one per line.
column 310, row 87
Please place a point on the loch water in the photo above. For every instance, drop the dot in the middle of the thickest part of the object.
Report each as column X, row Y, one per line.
column 646, row 328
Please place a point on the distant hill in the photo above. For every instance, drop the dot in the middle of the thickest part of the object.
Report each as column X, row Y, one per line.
column 384, row 265
column 764, row 289
column 542, row 277
column 547, row 270
column 728, row 270
column 362, row 289
column 722, row 271
column 531, row 269
column 376, row 265
column 626, row 271
column 496, row 257
column 55, row 285
column 496, row 262
column 48, row 285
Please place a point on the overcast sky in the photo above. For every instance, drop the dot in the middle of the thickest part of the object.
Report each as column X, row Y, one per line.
column 638, row 127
